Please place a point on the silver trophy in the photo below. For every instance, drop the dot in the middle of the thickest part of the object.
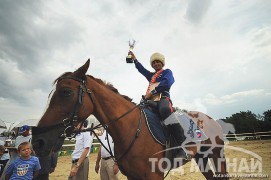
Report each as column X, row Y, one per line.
column 131, row 45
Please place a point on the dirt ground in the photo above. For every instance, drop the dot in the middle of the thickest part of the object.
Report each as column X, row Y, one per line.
column 238, row 151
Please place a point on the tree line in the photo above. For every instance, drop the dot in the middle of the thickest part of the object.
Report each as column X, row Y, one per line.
column 248, row 122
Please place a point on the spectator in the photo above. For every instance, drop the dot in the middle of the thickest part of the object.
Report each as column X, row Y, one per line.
column 109, row 168
column 3, row 158
column 24, row 136
column 24, row 167
column 80, row 161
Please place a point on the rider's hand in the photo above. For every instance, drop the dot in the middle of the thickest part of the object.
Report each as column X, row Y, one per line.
column 132, row 54
column 148, row 95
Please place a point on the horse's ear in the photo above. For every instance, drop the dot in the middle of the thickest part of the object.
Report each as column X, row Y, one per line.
column 81, row 72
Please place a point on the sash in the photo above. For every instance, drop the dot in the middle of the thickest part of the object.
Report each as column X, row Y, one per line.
column 154, row 84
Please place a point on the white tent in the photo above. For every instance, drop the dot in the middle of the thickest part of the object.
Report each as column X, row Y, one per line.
column 29, row 122
column 3, row 124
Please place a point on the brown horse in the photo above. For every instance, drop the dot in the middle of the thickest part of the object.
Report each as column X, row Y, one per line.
column 77, row 95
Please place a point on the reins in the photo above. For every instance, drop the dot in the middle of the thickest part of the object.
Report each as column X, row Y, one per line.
column 130, row 110
column 73, row 118
column 70, row 121
column 109, row 150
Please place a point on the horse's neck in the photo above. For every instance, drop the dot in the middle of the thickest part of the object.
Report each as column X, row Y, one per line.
column 108, row 106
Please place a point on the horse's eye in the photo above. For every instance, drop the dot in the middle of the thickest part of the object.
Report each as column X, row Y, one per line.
column 66, row 92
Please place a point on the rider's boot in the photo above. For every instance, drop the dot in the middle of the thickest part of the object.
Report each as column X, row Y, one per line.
column 178, row 133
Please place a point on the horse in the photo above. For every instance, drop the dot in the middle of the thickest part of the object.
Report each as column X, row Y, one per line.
column 76, row 96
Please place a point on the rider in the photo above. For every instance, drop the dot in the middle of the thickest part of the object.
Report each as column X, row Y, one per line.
column 160, row 83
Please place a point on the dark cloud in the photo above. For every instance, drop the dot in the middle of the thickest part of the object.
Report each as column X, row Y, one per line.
column 17, row 31
column 29, row 36
column 196, row 10
column 39, row 40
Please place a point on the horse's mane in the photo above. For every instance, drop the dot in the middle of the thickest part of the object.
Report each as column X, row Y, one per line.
column 111, row 87
column 61, row 76
column 106, row 84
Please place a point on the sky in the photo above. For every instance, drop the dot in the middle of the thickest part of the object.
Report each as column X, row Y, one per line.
column 218, row 50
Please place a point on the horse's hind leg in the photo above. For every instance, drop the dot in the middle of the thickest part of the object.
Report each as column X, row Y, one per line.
column 204, row 167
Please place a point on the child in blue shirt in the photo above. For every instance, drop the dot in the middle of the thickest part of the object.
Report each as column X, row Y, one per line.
column 24, row 167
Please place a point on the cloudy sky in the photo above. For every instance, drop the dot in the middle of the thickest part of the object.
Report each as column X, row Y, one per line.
column 219, row 51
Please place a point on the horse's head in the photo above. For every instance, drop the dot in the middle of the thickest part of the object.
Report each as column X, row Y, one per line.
column 69, row 103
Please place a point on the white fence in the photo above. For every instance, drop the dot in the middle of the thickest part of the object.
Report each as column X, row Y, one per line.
column 243, row 136
column 240, row 136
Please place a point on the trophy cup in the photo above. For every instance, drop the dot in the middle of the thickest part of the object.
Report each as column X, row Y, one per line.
column 131, row 45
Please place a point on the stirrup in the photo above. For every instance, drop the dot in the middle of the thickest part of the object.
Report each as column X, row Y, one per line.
column 182, row 154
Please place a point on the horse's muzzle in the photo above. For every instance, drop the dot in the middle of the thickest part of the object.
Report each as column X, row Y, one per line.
column 40, row 147
column 45, row 140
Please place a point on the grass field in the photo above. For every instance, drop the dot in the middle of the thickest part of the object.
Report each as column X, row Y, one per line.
column 241, row 161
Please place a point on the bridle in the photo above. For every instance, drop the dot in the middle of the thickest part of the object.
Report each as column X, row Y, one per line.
column 70, row 121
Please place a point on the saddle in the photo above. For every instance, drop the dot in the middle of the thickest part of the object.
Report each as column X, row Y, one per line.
column 160, row 133
column 156, row 126
column 161, row 130
column 155, row 123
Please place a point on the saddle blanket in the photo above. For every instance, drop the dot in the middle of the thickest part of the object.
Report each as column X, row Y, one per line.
column 154, row 123
column 159, row 132
column 191, row 131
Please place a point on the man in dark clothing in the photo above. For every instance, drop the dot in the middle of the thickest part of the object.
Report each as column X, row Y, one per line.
column 158, row 90
column 160, row 83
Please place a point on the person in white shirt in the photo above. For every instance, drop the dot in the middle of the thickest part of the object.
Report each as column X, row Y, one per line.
column 109, row 169
column 80, row 161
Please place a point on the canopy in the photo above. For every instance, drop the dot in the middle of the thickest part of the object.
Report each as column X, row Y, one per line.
column 3, row 124
column 29, row 122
